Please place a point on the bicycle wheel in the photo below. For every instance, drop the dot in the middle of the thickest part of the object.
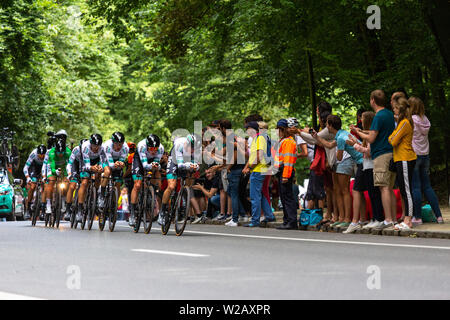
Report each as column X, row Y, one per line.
column 112, row 209
column 102, row 214
column 138, row 212
column 92, row 206
column 167, row 220
column 182, row 210
column 148, row 206
column 58, row 209
column 73, row 213
column 37, row 202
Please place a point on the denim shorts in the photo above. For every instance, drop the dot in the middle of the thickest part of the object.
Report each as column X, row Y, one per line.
column 346, row 166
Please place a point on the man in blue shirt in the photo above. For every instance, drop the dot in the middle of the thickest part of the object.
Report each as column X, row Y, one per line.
column 381, row 150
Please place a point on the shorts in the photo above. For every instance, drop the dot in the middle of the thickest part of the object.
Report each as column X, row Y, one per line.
column 35, row 171
column 75, row 176
column 360, row 180
column 346, row 167
column 85, row 173
column 171, row 172
column 316, row 189
column 382, row 176
column 137, row 168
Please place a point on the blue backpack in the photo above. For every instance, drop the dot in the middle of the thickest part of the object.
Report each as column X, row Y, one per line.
column 310, row 217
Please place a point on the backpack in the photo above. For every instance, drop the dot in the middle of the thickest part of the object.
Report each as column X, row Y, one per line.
column 310, row 217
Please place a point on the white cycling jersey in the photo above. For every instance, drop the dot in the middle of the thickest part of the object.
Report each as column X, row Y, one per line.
column 111, row 156
column 75, row 155
column 89, row 155
column 145, row 155
column 32, row 158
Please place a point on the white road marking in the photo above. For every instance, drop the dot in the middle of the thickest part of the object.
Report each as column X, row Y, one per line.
column 12, row 296
column 311, row 240
column 195, row 255
column 321, row 240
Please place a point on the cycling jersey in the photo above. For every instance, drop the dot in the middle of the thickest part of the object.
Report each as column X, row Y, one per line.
column 142, row 159
column 74, row 163
column 145, row 156
column 45, row 165
column 90, row 158
column 110, row 156
column 180, row 157
column 33, row 166
column 57, row 162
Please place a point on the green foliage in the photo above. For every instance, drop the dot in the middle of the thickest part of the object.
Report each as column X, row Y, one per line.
column 144, row 66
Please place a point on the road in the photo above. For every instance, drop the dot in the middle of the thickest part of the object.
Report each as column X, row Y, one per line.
column 216, row 262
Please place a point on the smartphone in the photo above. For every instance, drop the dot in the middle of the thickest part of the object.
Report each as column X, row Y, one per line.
column 311, row 131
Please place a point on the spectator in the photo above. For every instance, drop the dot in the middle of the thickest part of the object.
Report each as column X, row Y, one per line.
column 404, row 158
column 210, row 189
column 346, row 157
column 285, row 162
column 358, row 123
column 258, row 167
column 124, row 205
column 244, row 148
column 421, row 178
column 329, row 181
column 374, row 192
column 383, row 125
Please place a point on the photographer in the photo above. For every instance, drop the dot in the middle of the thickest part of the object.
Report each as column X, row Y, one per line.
column 209, row 189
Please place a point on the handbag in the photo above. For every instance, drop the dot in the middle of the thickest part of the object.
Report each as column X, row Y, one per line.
column 318, row 165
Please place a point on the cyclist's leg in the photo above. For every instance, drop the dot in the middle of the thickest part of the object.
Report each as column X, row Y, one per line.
column 137, row 172
column 49, row 192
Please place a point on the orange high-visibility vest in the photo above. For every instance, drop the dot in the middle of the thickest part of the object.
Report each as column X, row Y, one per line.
column 287, row 156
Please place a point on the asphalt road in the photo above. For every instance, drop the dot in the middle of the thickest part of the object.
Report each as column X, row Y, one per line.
column 216, row 262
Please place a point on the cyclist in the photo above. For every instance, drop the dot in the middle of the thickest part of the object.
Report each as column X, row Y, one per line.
column 147, row 158
column 33, row 172
column 73, row 172
column 58, row 158
column 91, row 152
column 115, row 152
column 182, row 150
column 127, row 177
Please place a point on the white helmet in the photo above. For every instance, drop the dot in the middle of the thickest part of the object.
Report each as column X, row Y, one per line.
column 292, row 122
column 61, row 132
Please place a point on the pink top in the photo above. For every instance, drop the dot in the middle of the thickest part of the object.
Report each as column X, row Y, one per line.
column 420, row 135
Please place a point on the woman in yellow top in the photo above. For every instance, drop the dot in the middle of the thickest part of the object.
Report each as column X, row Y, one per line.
column 404, row 158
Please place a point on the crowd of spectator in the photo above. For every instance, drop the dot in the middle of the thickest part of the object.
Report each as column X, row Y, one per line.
column 253, row 175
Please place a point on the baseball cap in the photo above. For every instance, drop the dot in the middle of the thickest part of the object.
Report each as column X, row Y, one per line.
column 282, row 123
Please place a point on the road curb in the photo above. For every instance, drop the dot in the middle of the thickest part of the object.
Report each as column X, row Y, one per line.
column 389, row 232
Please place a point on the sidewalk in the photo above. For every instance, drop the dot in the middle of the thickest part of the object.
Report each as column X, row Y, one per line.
column 427, row 230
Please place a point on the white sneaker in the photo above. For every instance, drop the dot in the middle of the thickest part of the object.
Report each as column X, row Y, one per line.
column 231, row 223
column 197, row 220
column 369, row 225
column 352, row 228
column 244, row 219
column 377, row 224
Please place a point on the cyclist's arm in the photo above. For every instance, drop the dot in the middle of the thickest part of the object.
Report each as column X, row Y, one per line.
column 28, row 164
column 86, row 159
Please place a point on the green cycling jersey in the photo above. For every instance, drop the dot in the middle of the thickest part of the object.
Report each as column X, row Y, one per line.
column 58, row 162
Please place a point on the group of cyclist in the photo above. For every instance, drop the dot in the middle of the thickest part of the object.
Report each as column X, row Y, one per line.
column 105, row 160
